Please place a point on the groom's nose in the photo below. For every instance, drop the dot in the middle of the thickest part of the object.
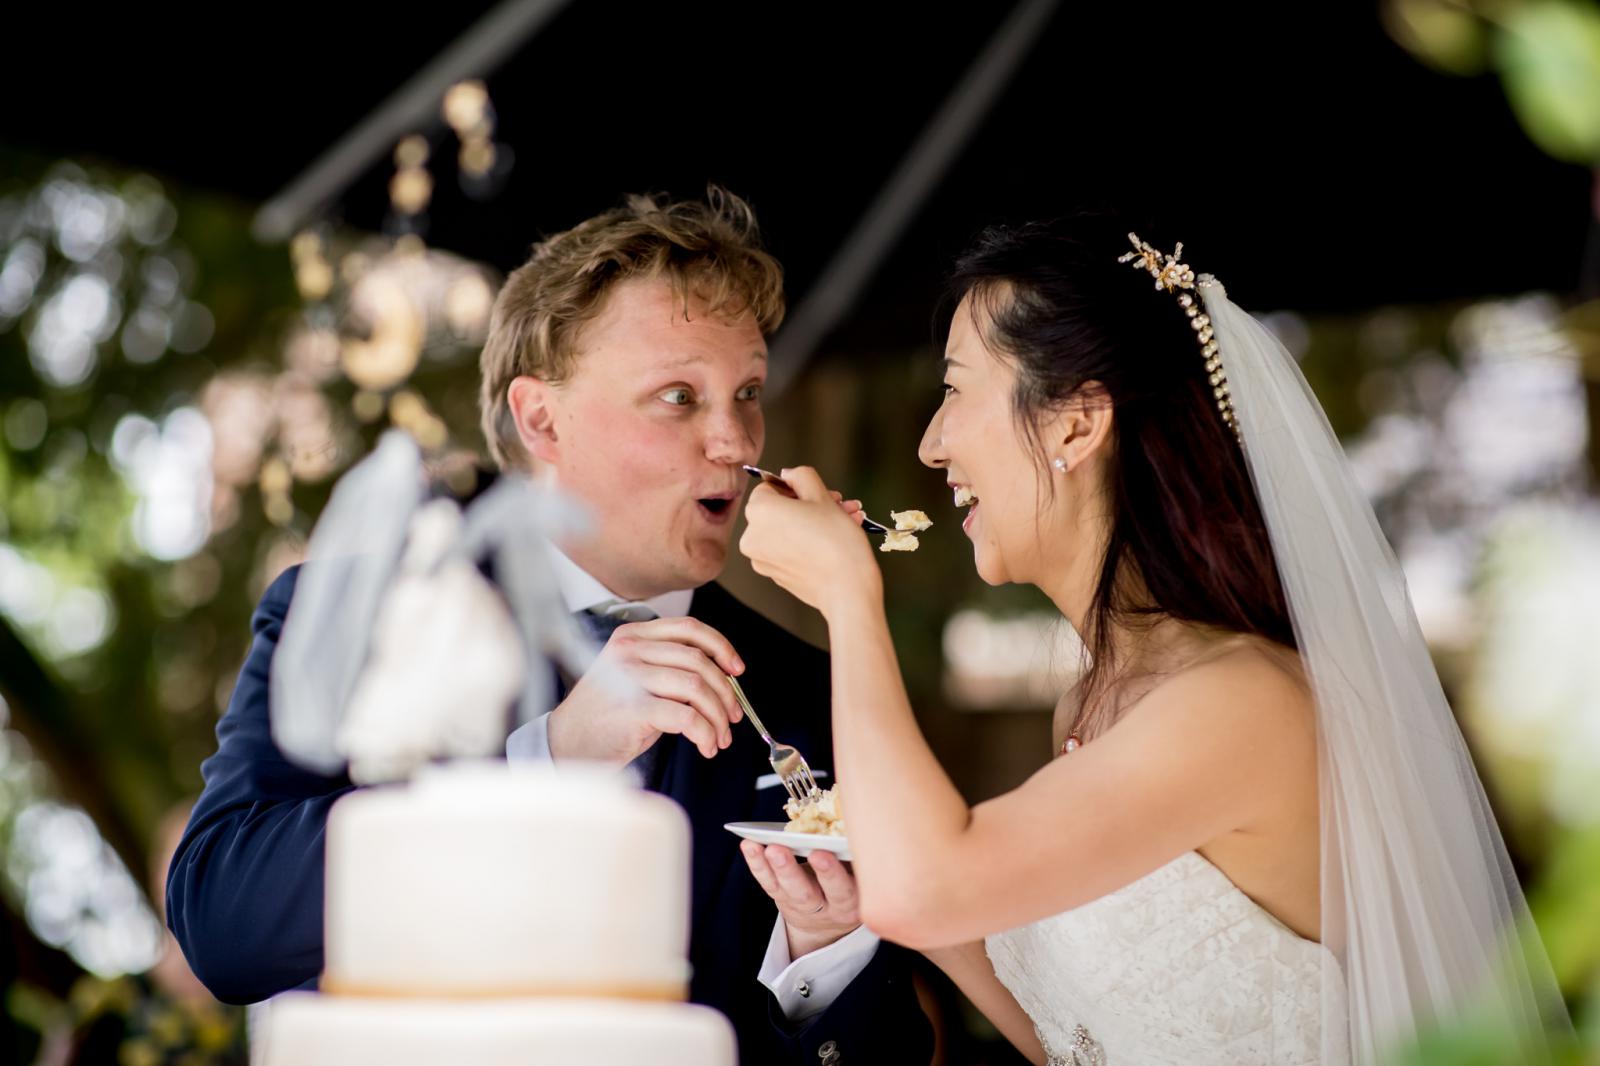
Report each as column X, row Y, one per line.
column 730, row 440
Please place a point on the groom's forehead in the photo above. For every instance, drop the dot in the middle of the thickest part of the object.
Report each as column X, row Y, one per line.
column 654, row 308
column 664, row 348
column 693, row 358
column 606, row 362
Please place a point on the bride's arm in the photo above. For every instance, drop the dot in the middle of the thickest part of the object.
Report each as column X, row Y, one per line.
column 969, row 967
column 900, row 804
column 898, row 800
column 1206, row 754
column 1209, row 752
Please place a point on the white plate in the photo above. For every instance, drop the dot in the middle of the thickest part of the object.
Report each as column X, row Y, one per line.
column 799, row 843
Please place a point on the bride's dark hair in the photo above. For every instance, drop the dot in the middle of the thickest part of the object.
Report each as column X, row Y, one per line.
column 1187, row 539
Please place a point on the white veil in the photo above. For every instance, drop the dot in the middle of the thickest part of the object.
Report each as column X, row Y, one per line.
column 1419, row 902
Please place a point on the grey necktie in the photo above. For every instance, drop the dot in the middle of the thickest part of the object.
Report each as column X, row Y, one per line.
column 600, row 621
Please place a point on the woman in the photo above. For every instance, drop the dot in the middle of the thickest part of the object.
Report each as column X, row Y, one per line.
column 1261, row 840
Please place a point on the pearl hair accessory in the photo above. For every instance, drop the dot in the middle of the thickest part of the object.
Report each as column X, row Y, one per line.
column 1173, row 275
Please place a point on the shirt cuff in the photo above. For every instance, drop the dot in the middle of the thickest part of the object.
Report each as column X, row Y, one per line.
column 807, row 986
column 531, row 740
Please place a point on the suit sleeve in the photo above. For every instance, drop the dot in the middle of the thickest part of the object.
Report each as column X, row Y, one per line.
column 876, row 1019
column 245, row 888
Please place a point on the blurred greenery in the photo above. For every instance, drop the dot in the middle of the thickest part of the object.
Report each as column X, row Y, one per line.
column 119, row 734
column 115, row 703
column 118, row 644
column 1547, row 56
column 1546, row 53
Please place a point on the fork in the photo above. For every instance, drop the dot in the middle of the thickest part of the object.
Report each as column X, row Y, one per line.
column 787, row 763
column 867, row 524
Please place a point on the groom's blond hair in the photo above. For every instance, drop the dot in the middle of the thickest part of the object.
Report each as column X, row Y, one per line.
column 709, row 250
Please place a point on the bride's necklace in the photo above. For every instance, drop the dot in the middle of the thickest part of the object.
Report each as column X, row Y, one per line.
column 1074, row 739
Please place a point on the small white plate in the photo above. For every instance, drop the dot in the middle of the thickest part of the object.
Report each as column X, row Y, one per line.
column 799, row 843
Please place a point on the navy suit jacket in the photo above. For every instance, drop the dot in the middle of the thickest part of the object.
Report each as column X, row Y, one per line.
column 245, row 889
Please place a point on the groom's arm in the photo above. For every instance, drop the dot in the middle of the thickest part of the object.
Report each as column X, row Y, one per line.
column 245, row 889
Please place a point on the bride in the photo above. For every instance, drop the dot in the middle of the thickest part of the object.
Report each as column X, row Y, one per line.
column 1261, row 839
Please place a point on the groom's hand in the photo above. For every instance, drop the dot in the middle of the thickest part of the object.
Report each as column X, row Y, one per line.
column 818, row 900
column 678, row 667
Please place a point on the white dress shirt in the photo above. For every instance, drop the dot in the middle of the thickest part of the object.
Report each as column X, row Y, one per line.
column 805, row 986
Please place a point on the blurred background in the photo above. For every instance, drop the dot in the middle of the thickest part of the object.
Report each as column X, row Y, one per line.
column 232, row 253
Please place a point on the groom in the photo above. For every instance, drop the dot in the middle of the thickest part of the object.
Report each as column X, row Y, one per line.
column 624, row 364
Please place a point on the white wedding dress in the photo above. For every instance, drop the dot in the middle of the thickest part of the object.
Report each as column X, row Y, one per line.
column 1179, row 967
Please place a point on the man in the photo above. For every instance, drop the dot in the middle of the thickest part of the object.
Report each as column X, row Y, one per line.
column 624, row 365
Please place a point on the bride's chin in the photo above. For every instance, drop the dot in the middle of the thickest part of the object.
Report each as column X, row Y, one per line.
column 989, row 570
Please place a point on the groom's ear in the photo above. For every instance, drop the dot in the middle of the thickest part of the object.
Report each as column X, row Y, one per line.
column 533, row 405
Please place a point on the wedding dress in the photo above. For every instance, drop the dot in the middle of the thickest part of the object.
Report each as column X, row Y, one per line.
column 1179, row 967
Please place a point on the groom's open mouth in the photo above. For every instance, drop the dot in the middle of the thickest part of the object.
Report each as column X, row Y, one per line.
column 717, row 508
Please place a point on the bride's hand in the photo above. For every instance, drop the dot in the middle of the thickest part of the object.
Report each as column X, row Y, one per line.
column 811, row 546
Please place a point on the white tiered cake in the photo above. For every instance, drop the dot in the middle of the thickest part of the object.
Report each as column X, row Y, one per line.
column 495, row 914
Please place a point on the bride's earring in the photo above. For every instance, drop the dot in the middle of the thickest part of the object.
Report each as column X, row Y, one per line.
column 1060, row 464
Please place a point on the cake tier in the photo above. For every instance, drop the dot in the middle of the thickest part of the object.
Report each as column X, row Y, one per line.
column 507, row 880
column 307, row 1029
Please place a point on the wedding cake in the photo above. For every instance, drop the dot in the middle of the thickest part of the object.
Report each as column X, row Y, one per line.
column 495, row 914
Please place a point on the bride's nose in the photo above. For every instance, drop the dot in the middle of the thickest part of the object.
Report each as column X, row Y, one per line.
column 931, row 450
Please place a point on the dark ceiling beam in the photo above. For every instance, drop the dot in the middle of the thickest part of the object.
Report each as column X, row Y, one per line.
column 880, row 227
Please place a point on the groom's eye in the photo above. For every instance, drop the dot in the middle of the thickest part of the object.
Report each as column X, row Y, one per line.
column 678, row 397
column 750, row 392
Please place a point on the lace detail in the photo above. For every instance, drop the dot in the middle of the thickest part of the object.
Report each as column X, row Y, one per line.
column 1179, row 967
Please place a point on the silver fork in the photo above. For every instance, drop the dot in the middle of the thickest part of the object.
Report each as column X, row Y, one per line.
column 787, row 763
column 867, row 524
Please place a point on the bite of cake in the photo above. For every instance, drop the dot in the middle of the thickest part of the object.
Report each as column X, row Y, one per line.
column 903, row 538
column 822, row 813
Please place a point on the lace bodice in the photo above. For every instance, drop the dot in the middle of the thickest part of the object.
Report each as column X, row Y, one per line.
column 1178, row 967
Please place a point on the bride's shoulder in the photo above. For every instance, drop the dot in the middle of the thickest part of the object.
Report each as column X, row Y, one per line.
column 1235, row 685
column 1237, row 725
column 1256, row 679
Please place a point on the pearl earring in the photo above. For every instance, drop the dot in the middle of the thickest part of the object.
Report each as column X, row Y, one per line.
column 1060, row 465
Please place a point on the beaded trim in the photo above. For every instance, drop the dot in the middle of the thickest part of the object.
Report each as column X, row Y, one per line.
column 1173, row 275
